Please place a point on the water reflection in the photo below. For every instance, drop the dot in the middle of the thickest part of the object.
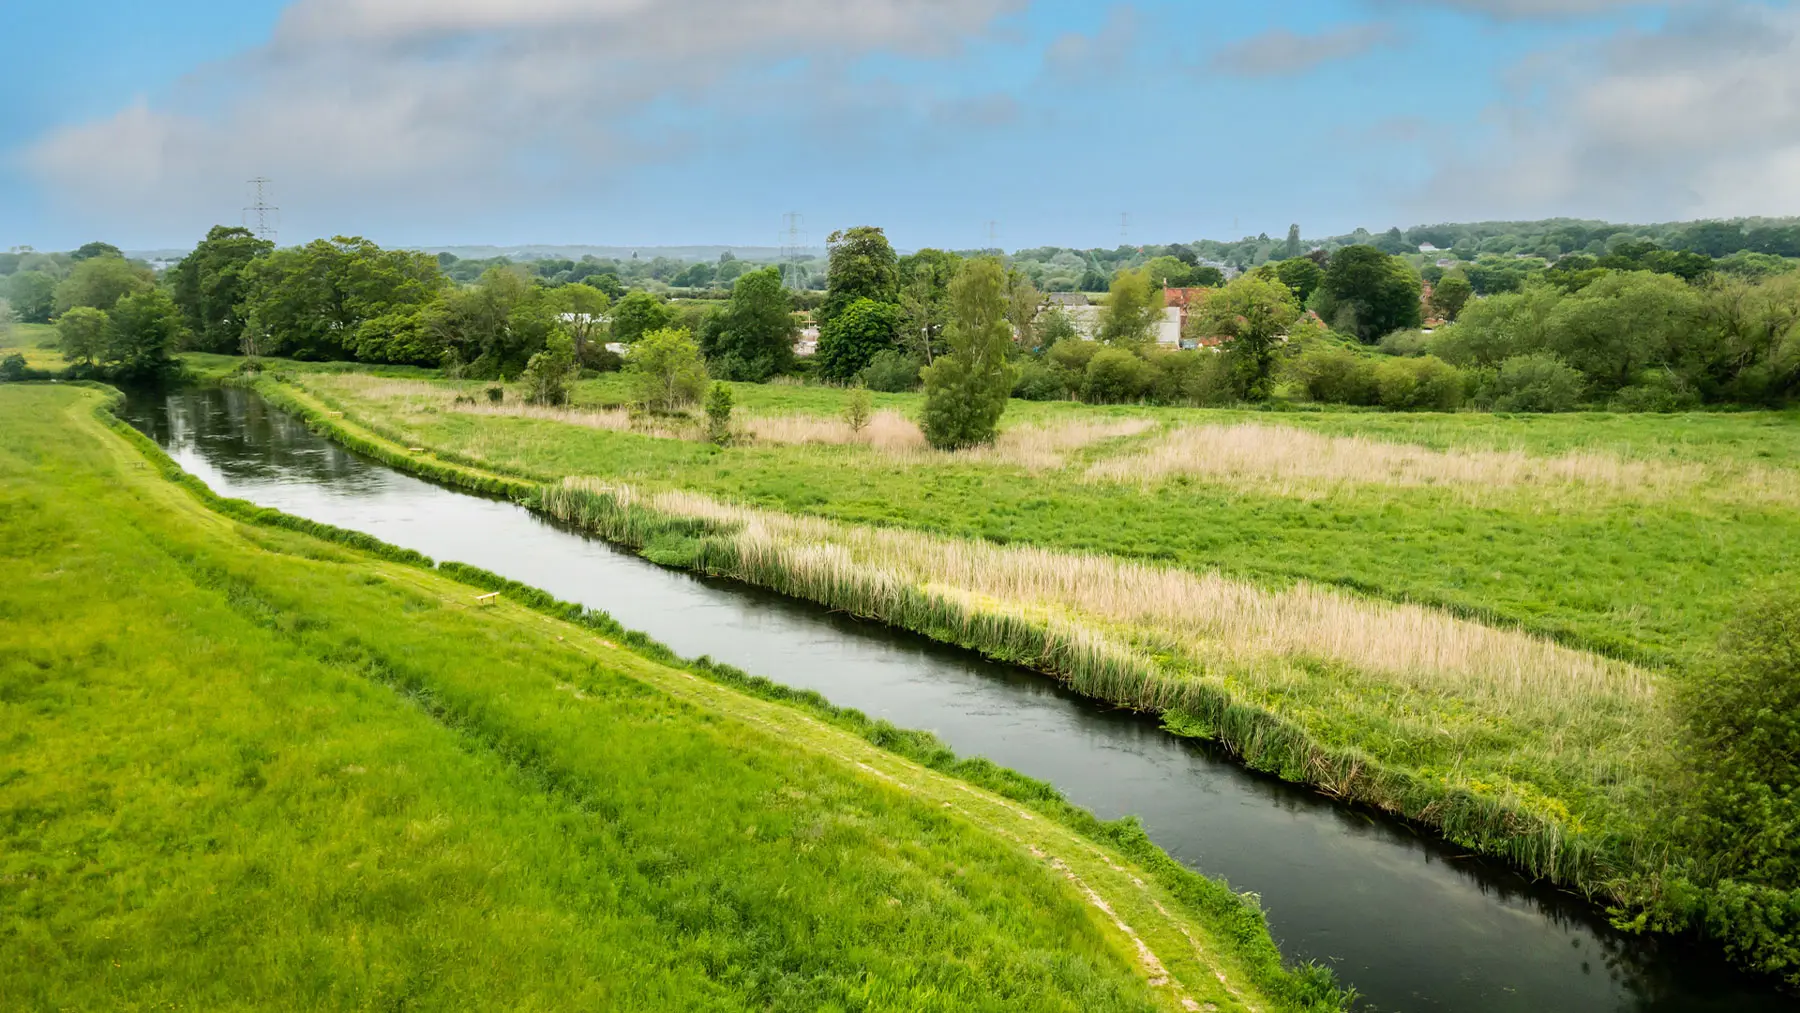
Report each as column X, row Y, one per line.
column 1411, row 923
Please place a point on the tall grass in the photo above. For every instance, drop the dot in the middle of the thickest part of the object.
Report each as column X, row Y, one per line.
column 1228, row 660
column 1290, row 461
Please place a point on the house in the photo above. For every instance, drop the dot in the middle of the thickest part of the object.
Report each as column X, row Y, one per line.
column 1166, row 331
column 1185, row 300
column 1065, row 300
column 807, row 343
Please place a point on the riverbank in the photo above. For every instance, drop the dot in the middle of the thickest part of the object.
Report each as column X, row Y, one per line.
column 509, row 785
column 1571, row 818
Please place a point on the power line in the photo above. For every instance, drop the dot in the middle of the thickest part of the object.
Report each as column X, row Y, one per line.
column 264, row 215
column 793, row 251
column 1124, row 228
column 993, row 231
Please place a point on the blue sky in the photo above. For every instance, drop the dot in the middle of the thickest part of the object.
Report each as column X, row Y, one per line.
column 642, row 122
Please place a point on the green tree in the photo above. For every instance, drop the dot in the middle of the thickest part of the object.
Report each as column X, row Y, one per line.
column 1538, row 382
column 851, row 340
column 1492, row 330
column 862, row 266
column 925, row 300
column 146, row 327
column 1368, row 293
column 1451, row 293
column 89, row 251
column 1168, row 272
column 858, row 409
column 754, row 338
column 311, row 301
column 1024, row 303
column 665, row 371
column 581, row 312
column 211, row 284
column 1132, row 311
column 101, row 282
column 1302, row 276
column 497, row 324
column 1623, row 323
column 33, row 296
column 966, row 390
column 718, row 414
column 84, row 334
column 1291, row 250
column 1252, row 314
column 546, row 377
column 1116, row 376
column 638, row 314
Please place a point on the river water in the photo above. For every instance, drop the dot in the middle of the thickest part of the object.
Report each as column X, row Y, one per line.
column 1409, row 922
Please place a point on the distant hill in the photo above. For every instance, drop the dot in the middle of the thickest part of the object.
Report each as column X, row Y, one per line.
column 534, row 251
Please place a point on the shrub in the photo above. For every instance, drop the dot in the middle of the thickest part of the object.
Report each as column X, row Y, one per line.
column 1536, row 383
column 718, row 415
column 1203, row 377
column 12, row 368
column 547, row 375
column 666, row 372
column 891, row 372
column 1116, row 376
column 1070, row 360
column 1655, row 391
column 496, row 394
column 1741, row 714
column 1405, row 343
column 1039, row 382
column 858, row 410
column 1416, row 385
column 1337, row 376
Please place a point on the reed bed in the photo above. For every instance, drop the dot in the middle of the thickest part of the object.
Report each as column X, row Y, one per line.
column 1039, row 446
column 1292, row 461
column 1472, row 729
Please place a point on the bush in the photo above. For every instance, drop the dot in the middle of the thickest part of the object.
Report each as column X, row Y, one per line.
column 1405, row 343
column 547, row 376
column 891, row 372
column 1116, row 376
column 858, row 410
column 1070, row 360
column 12, row 368
column 1741, row 714
column 601, row 359
column 1337, row 376
column 1536, row 383
column 1203, row 377
column 496, row 394
column 1039, row 382
column 1419, row 385
column 1655, row 391
column 666, row 371
column 718, row 415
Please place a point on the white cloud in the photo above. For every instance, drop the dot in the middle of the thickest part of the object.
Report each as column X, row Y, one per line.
column 1281, row 52
column 1699, row 119
column 430, row 102
column 1077, row 57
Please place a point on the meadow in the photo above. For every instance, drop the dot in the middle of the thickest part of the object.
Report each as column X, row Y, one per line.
column 253, row 763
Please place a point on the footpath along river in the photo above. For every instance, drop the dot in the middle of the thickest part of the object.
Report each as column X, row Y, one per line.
column 1411, row 923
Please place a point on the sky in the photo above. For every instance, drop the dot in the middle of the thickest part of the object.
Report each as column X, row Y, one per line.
column 1040, row 122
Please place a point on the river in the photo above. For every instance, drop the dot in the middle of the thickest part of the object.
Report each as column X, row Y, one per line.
column 1411, row 923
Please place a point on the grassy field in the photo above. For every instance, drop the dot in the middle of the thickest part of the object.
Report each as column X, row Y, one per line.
column 247, row 767
column 36, row 342
column 1470, row 620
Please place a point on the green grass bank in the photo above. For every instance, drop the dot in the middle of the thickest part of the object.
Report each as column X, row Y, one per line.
column 254, row 762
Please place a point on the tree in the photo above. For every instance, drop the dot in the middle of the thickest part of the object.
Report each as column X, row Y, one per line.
column 858, row 409
column 146, row 327
column 638, row 314
column 862, row 266
column 7, row 319
column 1369, row 293
column 966, row 390
column 1291, row 250
column 1116, row 376
column 925, row 299
column 1252, row 314
column 83, row 334
column 1394, row 243
column 754, row 338
column 1451, row 293
column 1302, row 275
column 497, row 324
column 546, row 377
column 1623, row 323
column 1023, row 304
column 665, row 371
column 849, row 341
column 89, row 251
column 581, row 311
column 33, row 296
column 101, row 282
column 718, row 415
column 311, row 301
column 1132, row 311
column 1168, row 272
column 211, row 284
